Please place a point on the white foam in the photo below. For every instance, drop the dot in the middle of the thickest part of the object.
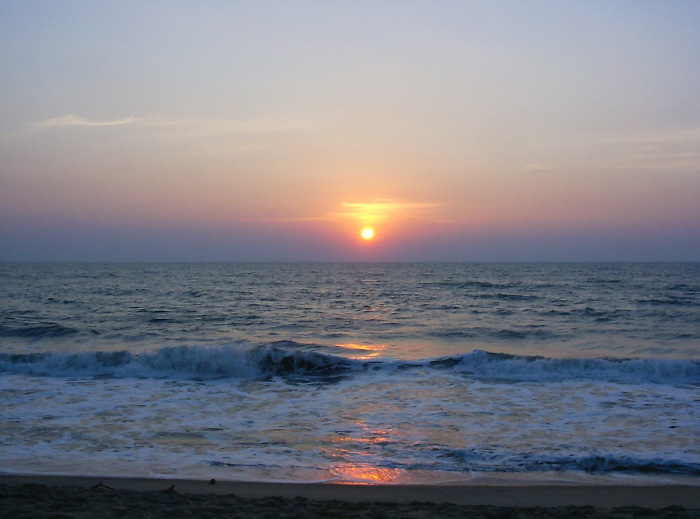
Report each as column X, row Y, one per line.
column 399, row 422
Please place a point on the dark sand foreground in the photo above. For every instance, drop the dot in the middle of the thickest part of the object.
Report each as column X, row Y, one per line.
column 86, row 497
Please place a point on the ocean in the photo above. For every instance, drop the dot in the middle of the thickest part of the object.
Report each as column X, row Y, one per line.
column 352, row 372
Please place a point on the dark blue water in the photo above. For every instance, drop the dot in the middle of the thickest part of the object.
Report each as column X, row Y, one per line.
column 351, row 372
column 412, row 310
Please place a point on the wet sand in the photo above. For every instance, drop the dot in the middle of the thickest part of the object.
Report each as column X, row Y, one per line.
column 88, row 497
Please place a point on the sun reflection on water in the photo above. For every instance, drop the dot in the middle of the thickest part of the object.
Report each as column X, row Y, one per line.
column 362, row 474
column 365, row 351
column 354, row 451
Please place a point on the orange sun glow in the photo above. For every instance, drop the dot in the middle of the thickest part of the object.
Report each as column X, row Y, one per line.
column 367, row 233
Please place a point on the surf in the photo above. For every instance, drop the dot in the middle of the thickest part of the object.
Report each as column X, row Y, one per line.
column 292, row 359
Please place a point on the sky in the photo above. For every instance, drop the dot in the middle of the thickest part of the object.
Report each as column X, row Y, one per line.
column 215, row 130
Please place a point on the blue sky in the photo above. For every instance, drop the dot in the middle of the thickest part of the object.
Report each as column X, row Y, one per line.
column 246, row 131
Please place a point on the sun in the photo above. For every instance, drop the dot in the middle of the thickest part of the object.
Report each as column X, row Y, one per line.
column 367, row 233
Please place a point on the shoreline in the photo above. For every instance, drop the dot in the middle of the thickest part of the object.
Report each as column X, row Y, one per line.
column 477, row 493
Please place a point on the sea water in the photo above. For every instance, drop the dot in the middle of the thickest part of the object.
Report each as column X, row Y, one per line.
column 392, row 373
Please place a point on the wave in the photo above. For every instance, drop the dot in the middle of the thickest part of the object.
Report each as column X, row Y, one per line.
column 472, row 284
column 291, row 359
column 38, row 331
column 238, row 360
column 474, row 460
column 505, row 334
column 504, row 366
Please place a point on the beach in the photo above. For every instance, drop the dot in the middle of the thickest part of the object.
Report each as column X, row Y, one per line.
column 83, row 497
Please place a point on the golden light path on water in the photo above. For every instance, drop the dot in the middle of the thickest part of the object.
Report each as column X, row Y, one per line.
column 365, row 351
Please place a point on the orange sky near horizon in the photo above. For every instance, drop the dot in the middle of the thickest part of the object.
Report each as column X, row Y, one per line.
column 459, row 131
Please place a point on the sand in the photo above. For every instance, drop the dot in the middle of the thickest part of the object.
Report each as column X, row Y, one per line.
column 88, row 497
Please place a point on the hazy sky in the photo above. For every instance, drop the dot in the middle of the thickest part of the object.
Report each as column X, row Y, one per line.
column 277, row 130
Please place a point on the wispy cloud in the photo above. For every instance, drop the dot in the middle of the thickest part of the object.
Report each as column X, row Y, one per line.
column 657, row 149
column 76, row 120
column 659, row 136
column 374, row 212
column 187, row 127
column 196, row 136
column 382, row 210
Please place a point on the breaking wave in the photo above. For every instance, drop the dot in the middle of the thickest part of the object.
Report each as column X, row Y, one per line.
column 239, row 360
column 480, row 461
column 288, row 358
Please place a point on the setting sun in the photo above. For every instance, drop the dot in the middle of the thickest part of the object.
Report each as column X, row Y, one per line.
column 367, row 233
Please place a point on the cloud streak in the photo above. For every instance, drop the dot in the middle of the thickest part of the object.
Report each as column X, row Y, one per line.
column 198, row 136
column 660, row 149
column 194, row 126
column 375, row 212
column 382, row 210
column 76, row 120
